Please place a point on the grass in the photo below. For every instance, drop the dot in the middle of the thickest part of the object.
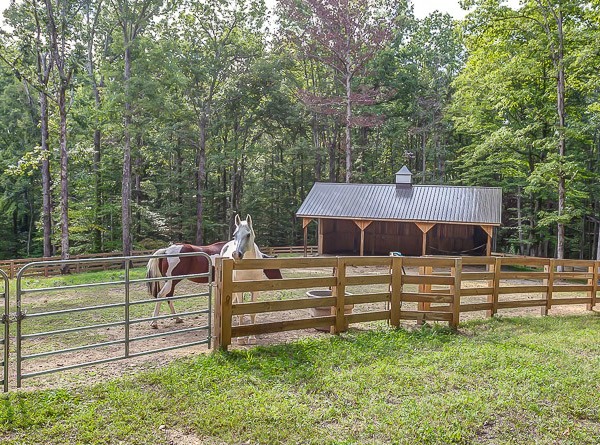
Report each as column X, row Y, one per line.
column 500, row 381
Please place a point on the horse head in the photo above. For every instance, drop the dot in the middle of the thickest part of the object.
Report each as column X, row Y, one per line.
column 243, row 237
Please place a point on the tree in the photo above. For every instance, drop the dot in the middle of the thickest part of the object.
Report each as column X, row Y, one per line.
column 62, row 28
column 216, row 39
column 515, row 65
column 345, row 36
column 132, row 19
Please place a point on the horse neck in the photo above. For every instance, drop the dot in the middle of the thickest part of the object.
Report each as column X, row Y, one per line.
column 252, row 252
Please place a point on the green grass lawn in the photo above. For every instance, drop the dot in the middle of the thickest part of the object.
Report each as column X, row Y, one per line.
column 499, row 381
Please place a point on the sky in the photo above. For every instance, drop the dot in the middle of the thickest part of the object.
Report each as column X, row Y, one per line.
column 422, row 7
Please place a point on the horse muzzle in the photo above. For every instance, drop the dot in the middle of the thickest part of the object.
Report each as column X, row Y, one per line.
column 237, row 255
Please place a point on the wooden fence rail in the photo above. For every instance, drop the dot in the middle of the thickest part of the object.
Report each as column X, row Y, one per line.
column 12, row 267
column 443, row 288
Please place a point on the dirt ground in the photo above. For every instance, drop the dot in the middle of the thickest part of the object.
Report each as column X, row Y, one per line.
column 105, row 371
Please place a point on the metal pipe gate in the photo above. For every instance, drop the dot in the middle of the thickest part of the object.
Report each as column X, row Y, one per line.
column 28, row 321
column 5, row 322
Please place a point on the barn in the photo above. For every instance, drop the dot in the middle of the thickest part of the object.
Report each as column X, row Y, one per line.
column 376, row 219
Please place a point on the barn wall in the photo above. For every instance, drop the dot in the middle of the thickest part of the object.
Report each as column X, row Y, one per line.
column 456, row 239
column 340, row 236
column 383, row 237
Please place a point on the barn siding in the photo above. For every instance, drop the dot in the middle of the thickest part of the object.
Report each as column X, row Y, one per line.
column 382, row 237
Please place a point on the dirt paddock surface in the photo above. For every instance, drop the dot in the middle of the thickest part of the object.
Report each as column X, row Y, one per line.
column 103, row 372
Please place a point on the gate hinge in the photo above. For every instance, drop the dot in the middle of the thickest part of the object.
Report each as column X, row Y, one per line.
column 12, row 318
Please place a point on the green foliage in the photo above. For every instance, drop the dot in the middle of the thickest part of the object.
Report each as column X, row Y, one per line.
column 470, row 105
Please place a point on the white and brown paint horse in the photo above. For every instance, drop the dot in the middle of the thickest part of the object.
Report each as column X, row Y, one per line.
column 177, row 266
column 185, row 265
column 243, row 247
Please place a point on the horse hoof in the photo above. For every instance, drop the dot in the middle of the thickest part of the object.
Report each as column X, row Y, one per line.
column 154, row 325
column 179, row 320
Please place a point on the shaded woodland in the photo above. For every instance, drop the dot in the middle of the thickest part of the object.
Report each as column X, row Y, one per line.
column 129, row 124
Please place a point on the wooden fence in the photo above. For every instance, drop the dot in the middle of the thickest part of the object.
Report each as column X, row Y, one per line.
column 12, row 267
column 442, row 288
column 310, row 250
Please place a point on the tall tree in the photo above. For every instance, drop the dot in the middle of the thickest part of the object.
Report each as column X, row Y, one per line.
column 62, row 25
column 217, row 38
column 133, row 18
column 344, row 35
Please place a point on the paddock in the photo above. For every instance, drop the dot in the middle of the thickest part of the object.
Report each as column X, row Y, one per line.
column 432, row 290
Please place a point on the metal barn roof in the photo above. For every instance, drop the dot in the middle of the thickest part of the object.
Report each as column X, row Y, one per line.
column 428, row 203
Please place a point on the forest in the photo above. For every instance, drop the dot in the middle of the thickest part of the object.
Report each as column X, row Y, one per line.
column 129, row 124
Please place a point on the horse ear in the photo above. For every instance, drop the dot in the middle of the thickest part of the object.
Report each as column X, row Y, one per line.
column 249, row 220
column 237, row 220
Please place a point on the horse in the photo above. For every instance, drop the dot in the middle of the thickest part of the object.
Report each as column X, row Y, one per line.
column 243, row 246
column 177, row 266
column 185, row 265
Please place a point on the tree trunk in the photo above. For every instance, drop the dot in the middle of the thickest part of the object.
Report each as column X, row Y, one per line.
column 598, row 245
column 424, row 160
column 332, row 147
column 64, row 184
column 520, row 222
column 46, row 184
column 126, row 184
column 201, row 178
column 560, row 87
column 348, row 123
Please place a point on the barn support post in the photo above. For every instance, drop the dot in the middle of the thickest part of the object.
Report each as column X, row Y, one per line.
column 489, row 230
column 424, row 228
column 305, row 223
column 362, row 225
column 320, row 236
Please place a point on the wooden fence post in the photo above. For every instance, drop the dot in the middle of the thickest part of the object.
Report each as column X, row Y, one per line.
column 396, row 291
column 456, row 272
column 549, row 282
column 425, row 289
column 217, row 286
column 496, row 286
column 339, row 292
column 226, row 301
column 12, row 270
column 594, row 283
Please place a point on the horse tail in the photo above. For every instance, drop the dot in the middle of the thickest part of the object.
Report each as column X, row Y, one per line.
column 153, row 271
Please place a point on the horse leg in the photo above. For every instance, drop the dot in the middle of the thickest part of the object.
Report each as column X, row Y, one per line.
column 177, row 319
column 167, row 291
column 154, row 323
column 170, row 294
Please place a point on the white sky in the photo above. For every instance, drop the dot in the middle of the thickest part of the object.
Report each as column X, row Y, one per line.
column 421, row 7
column 3, row 5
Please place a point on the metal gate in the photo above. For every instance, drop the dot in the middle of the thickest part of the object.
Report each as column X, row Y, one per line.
column 5, row 330
column 55, row 317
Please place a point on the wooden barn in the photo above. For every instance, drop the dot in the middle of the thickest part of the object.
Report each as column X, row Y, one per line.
column 376, row 219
